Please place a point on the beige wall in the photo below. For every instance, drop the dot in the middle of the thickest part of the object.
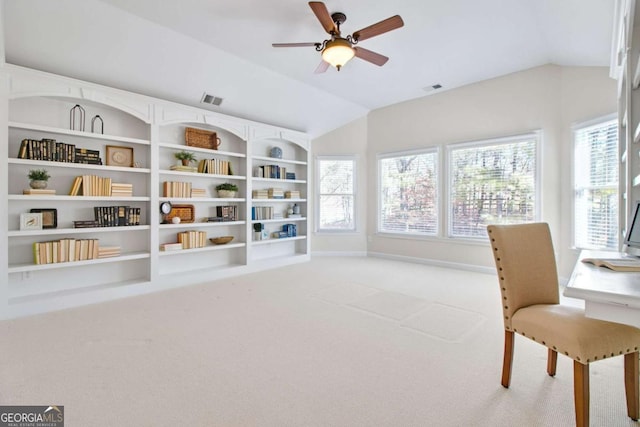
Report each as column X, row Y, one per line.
column 350, row 139
column 548, row 98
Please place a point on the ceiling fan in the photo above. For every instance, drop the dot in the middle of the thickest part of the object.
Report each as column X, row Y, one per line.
column 338, row 50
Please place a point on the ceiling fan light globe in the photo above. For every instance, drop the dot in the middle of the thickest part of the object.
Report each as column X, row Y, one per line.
column 338, row 52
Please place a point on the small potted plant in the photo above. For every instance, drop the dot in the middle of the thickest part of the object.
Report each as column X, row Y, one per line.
column 185, row 157
column 38, row 178
column 227, row 190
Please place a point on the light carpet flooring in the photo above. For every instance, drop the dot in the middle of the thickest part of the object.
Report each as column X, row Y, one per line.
column 333, row 342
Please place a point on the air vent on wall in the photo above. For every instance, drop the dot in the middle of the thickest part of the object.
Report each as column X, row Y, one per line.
column 211, row 99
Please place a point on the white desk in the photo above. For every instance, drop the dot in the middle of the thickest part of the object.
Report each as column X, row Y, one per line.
column 609, row 295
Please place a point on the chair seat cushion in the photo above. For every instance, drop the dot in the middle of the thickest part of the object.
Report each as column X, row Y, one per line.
column 568, row 331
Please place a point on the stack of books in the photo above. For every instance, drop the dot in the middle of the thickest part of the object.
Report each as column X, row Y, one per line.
column 293, row 194
column 38, row 191
column 87, row 157
column 260, row 194
column 121, row 189
column 198, row 192
column 85, row 224
column 182, row 168
column 176, row 189
column 276, row 193
column 192, row 239
column 165, row 247
column 108, row 251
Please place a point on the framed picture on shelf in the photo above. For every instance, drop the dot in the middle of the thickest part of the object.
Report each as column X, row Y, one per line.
column 119, row 156
column 31, row 221
column 49, row 217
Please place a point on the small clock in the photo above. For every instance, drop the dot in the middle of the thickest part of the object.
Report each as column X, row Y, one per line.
column 165, row 207
column 276, row 153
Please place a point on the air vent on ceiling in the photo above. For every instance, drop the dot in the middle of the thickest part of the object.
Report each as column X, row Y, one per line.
column 432, row 87
column 211, row 99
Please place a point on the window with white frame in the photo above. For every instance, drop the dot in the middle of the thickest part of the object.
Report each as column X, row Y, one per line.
column 492, row 182
column 408, row 193
column 595, row 177
column 336, row 193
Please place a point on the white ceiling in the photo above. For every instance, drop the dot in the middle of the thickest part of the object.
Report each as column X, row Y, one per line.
column 177, row 50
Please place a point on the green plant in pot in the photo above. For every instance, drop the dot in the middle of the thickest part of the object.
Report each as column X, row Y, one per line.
column 227, row 190
column 38, row 178
column 185, row 157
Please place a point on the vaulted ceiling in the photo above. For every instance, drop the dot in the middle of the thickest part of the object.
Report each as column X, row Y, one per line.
column 178, row 50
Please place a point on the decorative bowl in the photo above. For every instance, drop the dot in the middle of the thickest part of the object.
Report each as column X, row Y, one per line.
column 221, row 240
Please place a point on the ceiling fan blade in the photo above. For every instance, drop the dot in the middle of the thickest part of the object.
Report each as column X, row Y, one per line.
column 371, row 56
column 323, row 16
column 293, row 44
column 378, row 28
column 322, row 67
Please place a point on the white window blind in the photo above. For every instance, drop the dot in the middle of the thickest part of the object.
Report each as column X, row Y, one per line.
column 336, row 196
column 492, row 182
column 596, row 186
column 408, row 193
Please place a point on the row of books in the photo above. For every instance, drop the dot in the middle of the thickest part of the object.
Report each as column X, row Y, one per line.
column 192, row 239
column 51, row 150
column 70, row 250
column 116, row 216
column 91, row 185
column 264, row 212
column 176, row 189
column 273, row 171
column 227, row 213
column 215, row 166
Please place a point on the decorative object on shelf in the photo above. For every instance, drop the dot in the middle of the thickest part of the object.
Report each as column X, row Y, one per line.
column 38, row 178
column 186, row 213
column 296, row 209
column 97, row 117
column 222, row 240
column 49, row 217
column 276, row 152
column 227, row 190
column 80, row 116
column 201, row 138
column 290, row 210
column 176, row 220
column 165, row 209
column 185, row 157
column 119, row 156
column 31, row 221
column 258, row 231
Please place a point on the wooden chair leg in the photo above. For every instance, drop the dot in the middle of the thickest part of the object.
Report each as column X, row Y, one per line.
column 631, row 384
column 581, row 393
column 552, row 361
column 507, row 359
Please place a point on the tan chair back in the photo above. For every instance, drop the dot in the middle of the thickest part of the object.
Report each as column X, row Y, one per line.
column 526, row 266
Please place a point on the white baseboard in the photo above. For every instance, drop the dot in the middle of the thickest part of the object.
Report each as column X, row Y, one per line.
column 339, row 253
column 435, row 262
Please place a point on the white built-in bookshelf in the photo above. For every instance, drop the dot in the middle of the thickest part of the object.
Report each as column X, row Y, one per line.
column 39, row 107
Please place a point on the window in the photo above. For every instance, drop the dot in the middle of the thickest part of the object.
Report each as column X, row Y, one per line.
column 492, row 182
column 596, row 186
column 336, row 193
column 408, row 193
